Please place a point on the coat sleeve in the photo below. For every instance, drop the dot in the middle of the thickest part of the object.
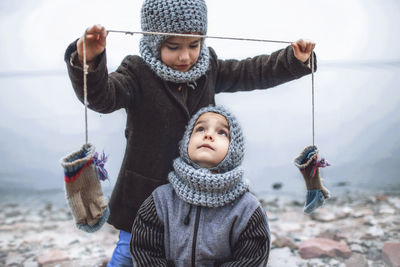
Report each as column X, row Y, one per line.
column 147, row 241
column 258, row 72
column 105, row 92
column 253, row 245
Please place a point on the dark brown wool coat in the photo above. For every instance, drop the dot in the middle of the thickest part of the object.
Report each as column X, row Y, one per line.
column 157, row 112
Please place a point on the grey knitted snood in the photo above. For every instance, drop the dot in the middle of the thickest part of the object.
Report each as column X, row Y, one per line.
column 173, row 16
column 216, row 186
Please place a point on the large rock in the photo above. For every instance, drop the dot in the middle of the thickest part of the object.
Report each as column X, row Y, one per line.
column 321, row 247
column 52, row 256
column 391, row 253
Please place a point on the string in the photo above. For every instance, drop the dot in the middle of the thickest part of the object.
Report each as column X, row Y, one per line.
column 85, row 72
column 201, row 36
column 312, row 90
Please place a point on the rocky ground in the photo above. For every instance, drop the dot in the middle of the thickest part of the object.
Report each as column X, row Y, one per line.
column 361, row 230
column 355, row 230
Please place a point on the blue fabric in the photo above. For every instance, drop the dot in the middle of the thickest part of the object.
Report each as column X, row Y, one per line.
column 315, row 199
column 121, row 256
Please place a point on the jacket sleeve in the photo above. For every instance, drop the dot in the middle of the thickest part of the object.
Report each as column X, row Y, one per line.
column 147, row 241
column 105, row 93
column 259, row 72
column 253, row 245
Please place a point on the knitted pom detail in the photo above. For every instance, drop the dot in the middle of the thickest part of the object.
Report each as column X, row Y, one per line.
column 99, row 162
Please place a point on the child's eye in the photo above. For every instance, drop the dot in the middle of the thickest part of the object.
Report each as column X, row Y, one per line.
column 222, row 132
column 199, row 129
column 194, row 45
column 172, row 47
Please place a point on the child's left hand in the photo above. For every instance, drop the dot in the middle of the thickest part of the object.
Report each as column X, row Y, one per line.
column 302, row 49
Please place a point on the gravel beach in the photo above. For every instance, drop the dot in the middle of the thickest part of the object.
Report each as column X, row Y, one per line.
column 354, row 230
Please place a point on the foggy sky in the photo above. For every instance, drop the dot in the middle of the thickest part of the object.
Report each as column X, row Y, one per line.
column 356, row 109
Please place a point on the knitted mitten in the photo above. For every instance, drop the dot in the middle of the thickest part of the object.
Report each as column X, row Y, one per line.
column 83, row 190
column 309, row 165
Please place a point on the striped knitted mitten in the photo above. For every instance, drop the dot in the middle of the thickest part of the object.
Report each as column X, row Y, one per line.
column 309, row 165
column 83, row 189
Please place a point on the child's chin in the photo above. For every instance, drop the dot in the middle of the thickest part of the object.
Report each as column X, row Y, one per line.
column 206, row 165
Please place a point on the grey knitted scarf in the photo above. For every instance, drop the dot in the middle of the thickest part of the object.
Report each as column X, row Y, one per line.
column 214, row 187
column 201, row 187
column 169, row 74
column 173, row 16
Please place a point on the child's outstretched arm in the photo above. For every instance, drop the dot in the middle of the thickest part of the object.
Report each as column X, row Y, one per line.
column 302, row 49
column 106, row 93
column 263, row 71
column 95, row 43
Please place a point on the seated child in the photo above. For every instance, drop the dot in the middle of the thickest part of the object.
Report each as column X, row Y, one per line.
column 206, row 215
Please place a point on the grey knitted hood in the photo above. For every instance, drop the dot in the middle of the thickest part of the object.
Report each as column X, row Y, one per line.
column 217, row 186
column 173, row 16
column 235, row 154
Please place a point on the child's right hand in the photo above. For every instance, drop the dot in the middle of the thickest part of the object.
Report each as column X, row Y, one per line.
column 95, row 42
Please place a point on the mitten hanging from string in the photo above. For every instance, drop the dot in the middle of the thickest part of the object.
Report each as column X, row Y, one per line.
column 83, row 171
column 309, row 164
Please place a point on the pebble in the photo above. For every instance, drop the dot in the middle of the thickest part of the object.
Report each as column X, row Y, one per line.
column 323, row 215
column 356, row 248
column 356, row 260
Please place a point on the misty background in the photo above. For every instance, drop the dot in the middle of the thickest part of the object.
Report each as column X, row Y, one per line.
column 357, row 91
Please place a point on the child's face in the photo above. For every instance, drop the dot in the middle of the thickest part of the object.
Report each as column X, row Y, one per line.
column 180, row 53
column 209, row 141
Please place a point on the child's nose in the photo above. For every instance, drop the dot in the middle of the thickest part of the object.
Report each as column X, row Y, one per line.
column 184, row 55
column 208, row 136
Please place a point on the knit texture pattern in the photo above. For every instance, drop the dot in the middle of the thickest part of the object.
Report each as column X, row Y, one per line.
column 173, row 16
column 83, row 190
column 235, row 153
column 317, row 193
column 307, row 164
column 217, row 186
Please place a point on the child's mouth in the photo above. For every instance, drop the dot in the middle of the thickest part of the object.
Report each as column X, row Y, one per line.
column 206, row 146
column 182, row 67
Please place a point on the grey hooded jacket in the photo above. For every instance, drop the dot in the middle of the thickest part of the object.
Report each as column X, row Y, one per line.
column 236, row 234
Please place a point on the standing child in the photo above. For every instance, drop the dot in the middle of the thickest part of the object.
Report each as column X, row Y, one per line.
column 206, row 215
column 161, row 89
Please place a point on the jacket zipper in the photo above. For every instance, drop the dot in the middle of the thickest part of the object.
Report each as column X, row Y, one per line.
column 196, row 229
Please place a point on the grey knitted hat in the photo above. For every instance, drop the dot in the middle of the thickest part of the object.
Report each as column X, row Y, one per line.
column 235, row 154
column 173, row 16
column 214, row 187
